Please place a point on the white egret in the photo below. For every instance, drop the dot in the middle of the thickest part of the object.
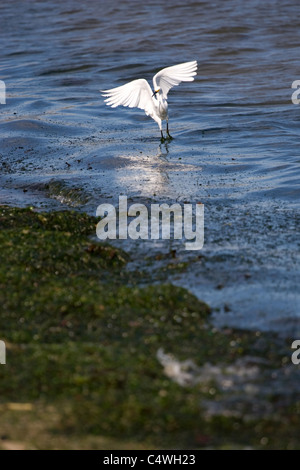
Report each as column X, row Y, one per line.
column 138, row 93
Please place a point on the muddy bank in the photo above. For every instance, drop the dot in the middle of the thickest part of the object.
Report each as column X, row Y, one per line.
column 141, row 366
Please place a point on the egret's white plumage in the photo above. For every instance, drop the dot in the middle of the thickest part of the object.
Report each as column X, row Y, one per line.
column 138, row 93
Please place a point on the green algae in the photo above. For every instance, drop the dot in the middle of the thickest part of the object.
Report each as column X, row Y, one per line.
column 66, row 193
column 82, row 337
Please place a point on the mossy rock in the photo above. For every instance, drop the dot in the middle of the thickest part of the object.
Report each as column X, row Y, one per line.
column 82, row 338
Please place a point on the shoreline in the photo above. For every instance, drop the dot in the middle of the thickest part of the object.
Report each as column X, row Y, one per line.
column 133, row 364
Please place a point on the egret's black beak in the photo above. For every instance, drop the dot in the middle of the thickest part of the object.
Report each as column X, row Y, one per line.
column 154, row 94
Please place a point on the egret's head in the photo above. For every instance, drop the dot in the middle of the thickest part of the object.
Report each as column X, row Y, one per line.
column 156, row 91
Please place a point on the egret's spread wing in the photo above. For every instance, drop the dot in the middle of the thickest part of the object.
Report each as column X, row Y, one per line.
column 135, row 94
column 172, row 76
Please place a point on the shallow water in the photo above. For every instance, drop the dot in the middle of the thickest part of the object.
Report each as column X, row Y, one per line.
column 236, row 133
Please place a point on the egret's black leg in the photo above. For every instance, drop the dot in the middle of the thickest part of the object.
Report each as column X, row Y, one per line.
column 162, row 136
column 170, row 137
